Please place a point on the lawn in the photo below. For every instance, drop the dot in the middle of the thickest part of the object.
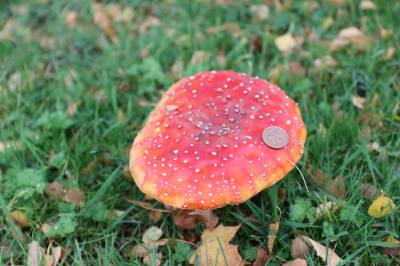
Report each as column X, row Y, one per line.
column 78, row 79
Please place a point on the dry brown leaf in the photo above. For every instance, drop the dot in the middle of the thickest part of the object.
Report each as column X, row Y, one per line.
column 103, row 21
column 155, row 216
column 188, row 219
column 285, row 43
column 296, row 262
column 260, row 12
column 71, row 108
column 199, row 57
column 328, row 255
column 390, row 53
column 350, row 35
column 177, row 69
column 299, row 248
column 358, row 101
column 274, row 228
column 149, row 22
column 374, row 147
column 385, row 33
column 71, row 19
column 35, row 254
column 55, row 189
column 325, row 62
column 53, row 256
column 333, row 186
column 369, row 191
column 367, row 5
column 262, row 257
column 325, row 208
column 215, row 247
column 75, row 196
column 150, row 240
column 20, row 218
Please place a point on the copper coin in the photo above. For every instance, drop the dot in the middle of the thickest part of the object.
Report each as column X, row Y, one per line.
column 275, row 137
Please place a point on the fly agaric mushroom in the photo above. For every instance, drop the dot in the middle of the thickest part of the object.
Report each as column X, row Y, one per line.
column 217, row 138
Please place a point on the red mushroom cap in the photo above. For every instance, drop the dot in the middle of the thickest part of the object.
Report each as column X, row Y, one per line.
column 208, row 142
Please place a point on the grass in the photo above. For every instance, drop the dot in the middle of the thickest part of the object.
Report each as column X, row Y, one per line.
column 48, row 68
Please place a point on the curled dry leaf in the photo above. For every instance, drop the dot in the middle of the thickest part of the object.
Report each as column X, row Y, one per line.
column 35, row 254
column 75, row 196
column 326, row 254
column 390, row 53
column 351, row 35
column 215, row 248
column 299, row 248
column 260, row 12
column 325, row 62
column 20, row 218
column 262, row 257
column 381, row 206
column 199, row 57
column 369, row 191
column 326, row 207
column 188, row 219
column 296, row 262
column 285, row 43
column 274, row 228
column 358, row 101
column 150, row 240
column 71, row 19
column 149, row 22
column 103, row 21
column 333, row 186
column 367, row 5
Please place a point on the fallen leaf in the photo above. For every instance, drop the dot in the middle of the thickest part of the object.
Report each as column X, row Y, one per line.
column 296, row 262
column 149, row 22
column 54, row 255
column 274, row 228
column 333, row 186
column 328, row 255
column 71, row 108
column 71, row 19
column 155, row 216
column 367, row 5
column 215, row 248
column 299, row 248
column 391, row 251
column 150, row 240
column 374, row 147
column 381, row 206
column 260, row 12
column 369, row 191
column 325, row 208
column 297, row 69
column 35, row 254
column 75, row 196
column 385, row 33
column 188, row 219
column 358, row 101
column 199, row 57
column 55, row 189
column 390, row 53
column 325, row 62
column 262, row 257
column 350, row 35
column 147, row 206
column 20, row 218
column 101, row 19
column 285, row 43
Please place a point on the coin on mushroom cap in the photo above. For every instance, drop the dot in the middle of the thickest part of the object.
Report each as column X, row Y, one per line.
column 217, row 138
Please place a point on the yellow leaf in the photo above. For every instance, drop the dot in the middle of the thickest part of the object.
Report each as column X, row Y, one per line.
column 381, row 207
column 285, row 43
column 215, row 248
column 20, row 218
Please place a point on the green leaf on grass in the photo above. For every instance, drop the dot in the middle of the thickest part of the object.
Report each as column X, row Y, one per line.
column 182, row 252
column 64, row 226
column 302, row 209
